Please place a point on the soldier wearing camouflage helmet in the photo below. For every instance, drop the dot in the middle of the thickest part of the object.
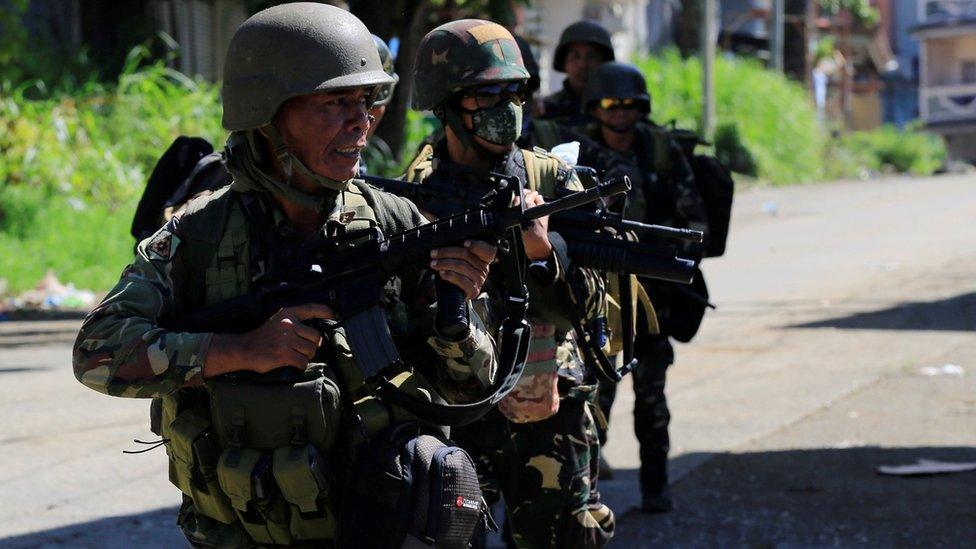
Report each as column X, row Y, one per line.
column 538, row 444
column 664, row 192
column 253, row 456
column 583, row 46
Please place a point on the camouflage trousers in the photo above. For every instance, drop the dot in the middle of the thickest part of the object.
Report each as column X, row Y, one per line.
column 651, row 414
column 543, row 470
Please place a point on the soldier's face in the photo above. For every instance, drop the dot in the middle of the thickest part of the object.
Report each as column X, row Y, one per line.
column 581, row 59
column 326, row 131
column 618, row 119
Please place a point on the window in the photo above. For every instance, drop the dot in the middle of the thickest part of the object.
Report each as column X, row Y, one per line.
column 968, row 72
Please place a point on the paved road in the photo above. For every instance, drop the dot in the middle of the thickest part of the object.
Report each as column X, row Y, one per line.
column 802, row 383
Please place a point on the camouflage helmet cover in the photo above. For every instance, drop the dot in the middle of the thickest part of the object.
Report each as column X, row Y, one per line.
column 582, row 31
column 462, row 54
column 618, row 81
column 291, row 50
column 385, row 92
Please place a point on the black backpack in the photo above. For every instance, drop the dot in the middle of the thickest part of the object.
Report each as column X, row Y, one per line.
column 717, row 188
column 410, row 489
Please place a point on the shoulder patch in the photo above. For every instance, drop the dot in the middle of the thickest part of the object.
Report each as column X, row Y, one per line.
column 162, row 246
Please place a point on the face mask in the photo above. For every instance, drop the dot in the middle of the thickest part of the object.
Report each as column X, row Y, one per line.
column 501, row 124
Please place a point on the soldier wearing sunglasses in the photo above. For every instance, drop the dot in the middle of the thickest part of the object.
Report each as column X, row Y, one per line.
column 664, row 192
column 537, row 445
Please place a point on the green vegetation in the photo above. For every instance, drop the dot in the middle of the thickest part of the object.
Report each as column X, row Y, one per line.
column 889, row 149
column 73, row 166
column 74, row 157
column 769, row 128
column 773, row 116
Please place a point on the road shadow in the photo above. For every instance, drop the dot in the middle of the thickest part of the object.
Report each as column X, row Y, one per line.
column 957, row 314
column 149, row 530
column 804, row 498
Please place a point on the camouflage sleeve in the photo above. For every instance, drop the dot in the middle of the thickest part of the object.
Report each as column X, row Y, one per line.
column 121, row 350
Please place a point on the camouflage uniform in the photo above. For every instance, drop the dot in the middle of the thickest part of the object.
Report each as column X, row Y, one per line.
column 236, row 241
column 564, row 106
column 663, row 192
column 539, row 455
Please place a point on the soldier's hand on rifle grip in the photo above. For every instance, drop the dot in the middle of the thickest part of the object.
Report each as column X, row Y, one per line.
column 281, row 341
column 465, row 267
column 535, row 237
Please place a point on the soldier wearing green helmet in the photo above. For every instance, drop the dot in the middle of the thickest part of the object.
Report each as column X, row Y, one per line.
column 664, row 192
column 377, row 152
column 539, row 443
column 582, row 47
column 265, row 460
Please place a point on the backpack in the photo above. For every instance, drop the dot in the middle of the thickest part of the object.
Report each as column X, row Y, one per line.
column 411, row 489
column 716, row 187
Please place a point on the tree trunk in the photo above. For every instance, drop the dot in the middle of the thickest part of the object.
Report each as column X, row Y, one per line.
column 409, row 22
column 688, row 26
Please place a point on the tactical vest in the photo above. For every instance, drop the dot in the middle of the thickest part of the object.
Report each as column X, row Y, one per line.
column 259, row 454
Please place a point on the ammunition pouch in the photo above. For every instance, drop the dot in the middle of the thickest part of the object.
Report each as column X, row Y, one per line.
column 258, row 454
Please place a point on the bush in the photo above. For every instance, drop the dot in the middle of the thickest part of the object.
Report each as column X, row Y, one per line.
column 73, row 166
column 888, row 148
column 773, row 117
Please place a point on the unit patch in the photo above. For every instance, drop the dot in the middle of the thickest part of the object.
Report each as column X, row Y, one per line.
column 163, row 246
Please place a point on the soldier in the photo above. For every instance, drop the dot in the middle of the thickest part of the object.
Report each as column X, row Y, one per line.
column 539, row 442
column 546, row 134
column 664, row 192
column 297, row 126
column 582, row 47
column 377, row 152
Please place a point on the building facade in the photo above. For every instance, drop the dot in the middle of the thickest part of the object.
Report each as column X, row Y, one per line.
column 947, row 73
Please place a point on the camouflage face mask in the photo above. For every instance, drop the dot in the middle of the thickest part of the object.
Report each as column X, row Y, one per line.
column 501, row 124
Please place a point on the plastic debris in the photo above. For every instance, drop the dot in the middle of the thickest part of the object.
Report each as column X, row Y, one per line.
column 567, row 152
column 944, row 370
column 927, row 467
column 770, row 208
column 51, row 295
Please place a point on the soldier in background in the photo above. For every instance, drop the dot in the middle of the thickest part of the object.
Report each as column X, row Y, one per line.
column 664, row 192
column 541, row 440
column 377, row 153
column 583, row 46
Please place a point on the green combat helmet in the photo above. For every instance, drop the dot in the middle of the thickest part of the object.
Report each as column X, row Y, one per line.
column 582, row 31
column 385, row 92
column 461, row 54
column 291, row 50
column 617, row 81
column 283, row 52
column 531, row 65
column 464, row 54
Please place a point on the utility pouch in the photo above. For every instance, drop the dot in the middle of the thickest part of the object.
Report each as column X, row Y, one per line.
column 192, row 465
column 266, row 416
column 302, row 477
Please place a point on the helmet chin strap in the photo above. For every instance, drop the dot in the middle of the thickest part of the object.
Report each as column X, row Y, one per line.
column 244, row 166
column 289, row 160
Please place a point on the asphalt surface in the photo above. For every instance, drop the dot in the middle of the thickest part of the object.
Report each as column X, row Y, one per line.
column 833, row 300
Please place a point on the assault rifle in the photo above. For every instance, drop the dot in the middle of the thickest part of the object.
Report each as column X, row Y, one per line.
column 351, row 274
column 593, row 236
column 596, row 237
